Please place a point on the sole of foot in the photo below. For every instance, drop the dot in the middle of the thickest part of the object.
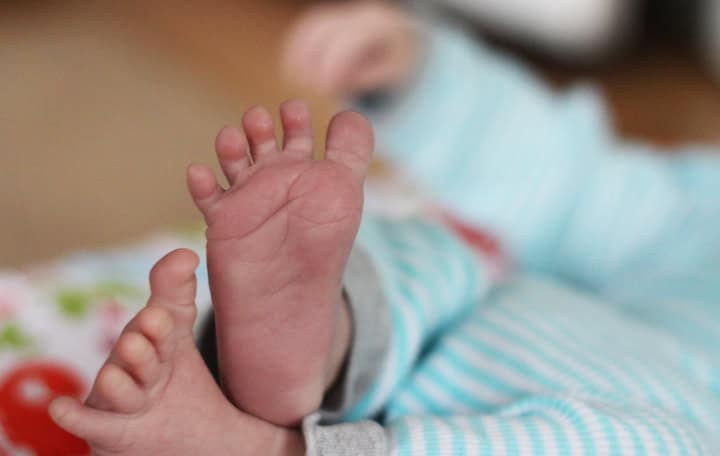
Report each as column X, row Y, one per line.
column 278, row 239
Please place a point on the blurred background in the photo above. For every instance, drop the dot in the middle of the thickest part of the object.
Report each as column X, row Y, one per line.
column 103, row 104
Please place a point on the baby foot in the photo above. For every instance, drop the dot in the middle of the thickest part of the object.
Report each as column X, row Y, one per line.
column 278, row 241
column 154, row 394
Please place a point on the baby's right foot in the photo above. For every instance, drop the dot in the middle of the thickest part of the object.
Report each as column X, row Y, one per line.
column 154, row 395
column 278, row 241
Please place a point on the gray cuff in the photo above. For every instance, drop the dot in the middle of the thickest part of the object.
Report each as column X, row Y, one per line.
column 364, row 438
column 371, row 336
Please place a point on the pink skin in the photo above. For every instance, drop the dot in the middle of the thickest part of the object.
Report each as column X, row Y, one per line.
column 154, row 395
column 278, row 240
column 352, row 47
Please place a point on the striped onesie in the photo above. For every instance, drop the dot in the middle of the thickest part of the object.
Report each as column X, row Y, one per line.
column 603, row 340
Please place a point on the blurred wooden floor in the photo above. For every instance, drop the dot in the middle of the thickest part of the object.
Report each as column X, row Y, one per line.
column 102, row 105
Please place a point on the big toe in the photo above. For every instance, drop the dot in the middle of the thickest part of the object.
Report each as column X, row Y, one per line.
column 173, row 286
column 350, row 142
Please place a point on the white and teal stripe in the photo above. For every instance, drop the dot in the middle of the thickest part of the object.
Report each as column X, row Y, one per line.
column 531, row 366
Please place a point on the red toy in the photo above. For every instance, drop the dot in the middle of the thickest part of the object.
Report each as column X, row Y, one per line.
column 24, row 397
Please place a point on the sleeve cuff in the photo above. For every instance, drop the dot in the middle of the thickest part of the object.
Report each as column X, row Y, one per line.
column 364, row 438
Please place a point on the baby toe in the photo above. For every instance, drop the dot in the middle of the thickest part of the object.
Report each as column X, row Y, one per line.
column 232, row 150
column 115, row 390
column 298, row 135
column 350, row 142
column 138, row 355
column 173, row 286
column 156, row 324
column 258, row 125
column 203, row 187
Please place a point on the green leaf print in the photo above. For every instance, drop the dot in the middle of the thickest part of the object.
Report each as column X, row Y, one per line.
column 13, row 338
column 109, row 289
column 74, row 303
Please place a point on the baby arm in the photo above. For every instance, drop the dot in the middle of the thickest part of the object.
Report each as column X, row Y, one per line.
column 351, row 48
column 500, row 150
column 543, row 171
column 406, row 282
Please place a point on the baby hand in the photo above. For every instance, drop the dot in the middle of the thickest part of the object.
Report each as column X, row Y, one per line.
column 348, row 49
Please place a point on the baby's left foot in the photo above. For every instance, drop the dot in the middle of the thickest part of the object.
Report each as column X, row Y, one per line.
column 278, row 241
column 154, row 395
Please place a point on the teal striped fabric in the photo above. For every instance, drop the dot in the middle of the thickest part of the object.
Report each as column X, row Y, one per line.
column 534, row 366
column 607, row 339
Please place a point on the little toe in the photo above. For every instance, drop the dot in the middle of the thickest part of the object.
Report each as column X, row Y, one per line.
column 203, row 187
column 297, row 127
column 139, row 357
column 258, row 125
column 232, row 150
column 173, row 287
column 156, row 324
column 350, row 141
column 116, row 391
column 98, row 427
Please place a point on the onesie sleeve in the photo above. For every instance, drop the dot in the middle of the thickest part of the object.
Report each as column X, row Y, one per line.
column 407, row 282
column 543, row 171
column 488, row 142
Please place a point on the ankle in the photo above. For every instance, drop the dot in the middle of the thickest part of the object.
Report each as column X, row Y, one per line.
column 309, row 398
